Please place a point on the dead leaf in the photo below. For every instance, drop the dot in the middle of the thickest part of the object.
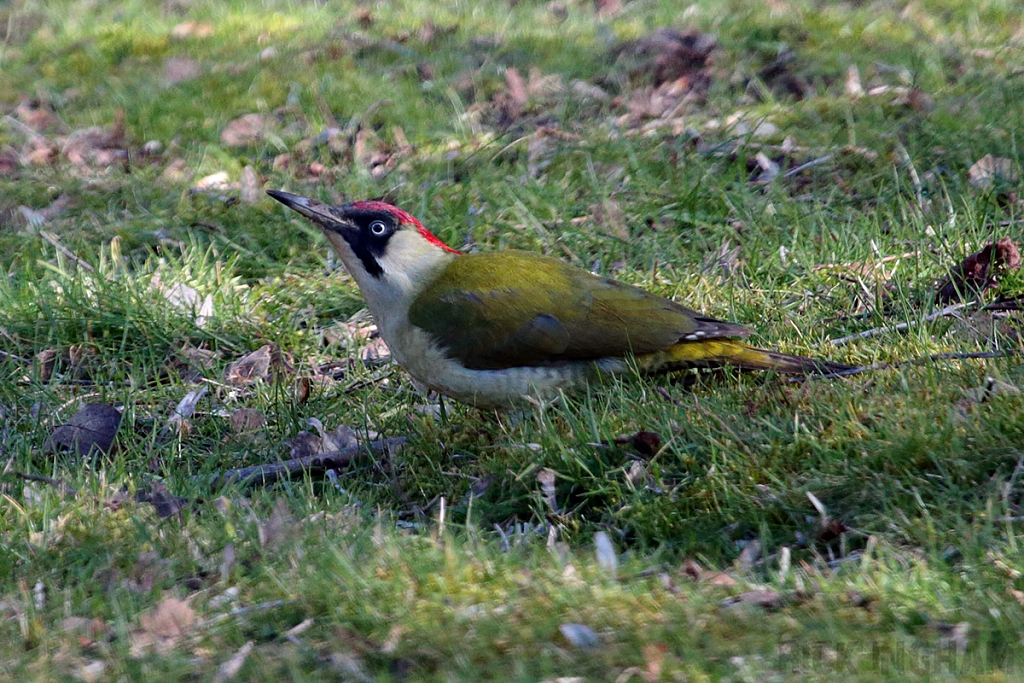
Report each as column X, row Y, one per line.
column 692, row 570
column 191, row 29
column 250, row 186
column 645, row 442
column 157, row 495
column 610, row 217
column 654, row 659
column 991, row 387
column 215, row 182
column 375, row 350
column 247, row 420
column 780, row 78
column 231, row 667
column 36, row 218
column 749, row 555
column 90, row 671
column 607, row 558
column 952, row 634
column 546, row 479
column 719, row 579
column 94, row 426
column 768, row 599
column 306, row 444
column 88, row 630
column 251, row 129
column 544, row 87
column 723, row 261
column 539, row 151
column 979, row 271
column 179, row 69
column 278, row 526
column 39, row 115
column 989, row 170
column 580, row 636
column 177, row 172
column 178, row 422
column 186, row 298
column 516, row 89
column 854, row 88
column 163, row 626
column 97, row 147
column 250, row 367
column 588, row 91
column 668, row 55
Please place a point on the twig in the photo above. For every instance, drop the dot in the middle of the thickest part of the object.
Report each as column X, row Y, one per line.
column 64, row 250
column 7, row 354
column 56, row 483
column 900, row 363
column 803, row 167
column 356, row 122
column 242, row 611
column 271, row 472
column 948, row 310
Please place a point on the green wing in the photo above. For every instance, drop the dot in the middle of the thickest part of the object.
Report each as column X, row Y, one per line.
column 513, row 308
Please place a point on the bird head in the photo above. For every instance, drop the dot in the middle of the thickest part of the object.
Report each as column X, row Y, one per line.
column 386, row 249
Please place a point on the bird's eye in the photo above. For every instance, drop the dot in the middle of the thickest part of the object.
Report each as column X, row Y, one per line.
column 378, row 228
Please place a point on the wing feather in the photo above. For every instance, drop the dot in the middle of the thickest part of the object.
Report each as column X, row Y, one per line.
column 513, row 308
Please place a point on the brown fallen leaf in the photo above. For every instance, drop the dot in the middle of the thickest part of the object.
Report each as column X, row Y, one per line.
column 853, row 86
column 989, row 170
column 251, row 189
column 610, row 217
column 516, row 91
column 608, row 8
column 779, row 76
column 250, row 367
column 251, row 129
column 157, row 495
column 192, row 29
column 177, row 172
column 279, row 526
column 645, row 442
column 93, row 427
column 992, row 387
column 88, row 630
column 768, row 599
column 97, row 148
column 979, row 271
column 232, row 666
column 954, row 635
column 39, row 115
column 719, row 579
column 692, row 570
column 667, row 55
column 546, row 479
column 539, row 152
column 580, row 636
column 306, row 444
column 246, row 421
column 179, row 69
column 163, row 627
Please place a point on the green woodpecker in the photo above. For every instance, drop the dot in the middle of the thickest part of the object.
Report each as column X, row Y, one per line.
column 492, row 329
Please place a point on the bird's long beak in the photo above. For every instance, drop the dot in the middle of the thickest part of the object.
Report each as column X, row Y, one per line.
column 322, row 214
column 311, row 209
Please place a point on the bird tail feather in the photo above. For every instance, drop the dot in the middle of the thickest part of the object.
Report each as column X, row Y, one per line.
column 718, row 352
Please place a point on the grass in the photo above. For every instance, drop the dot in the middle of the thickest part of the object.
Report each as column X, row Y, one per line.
column 910, row 569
